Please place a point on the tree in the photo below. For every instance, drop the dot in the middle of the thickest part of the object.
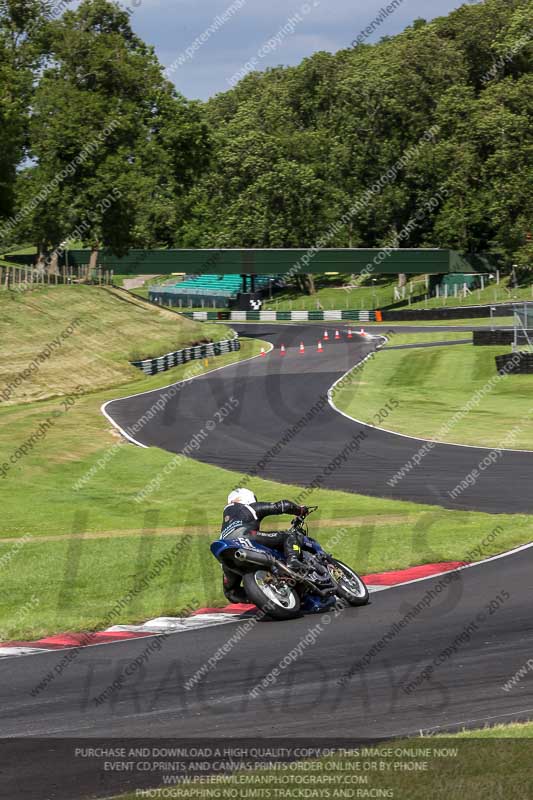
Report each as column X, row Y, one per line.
column 114, row 145
column 485, row 160
column 289, row 157
column 265, row 187
column 296, row 150
column 19, row 56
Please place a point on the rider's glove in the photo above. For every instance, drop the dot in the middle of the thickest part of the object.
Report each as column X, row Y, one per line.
column 304, row 511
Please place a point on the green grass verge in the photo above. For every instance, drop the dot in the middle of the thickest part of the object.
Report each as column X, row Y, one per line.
column 474, row 764
column 396, row 339
column 427, row 386
column 515, row 730
column 31, row 250
column 140, row 291
column 118, row 280
column 26, row 250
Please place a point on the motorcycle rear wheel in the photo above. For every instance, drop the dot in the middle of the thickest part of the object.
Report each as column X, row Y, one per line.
column 273, row 597
column 350, row 586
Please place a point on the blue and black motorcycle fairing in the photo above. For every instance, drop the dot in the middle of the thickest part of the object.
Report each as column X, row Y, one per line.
column 281, row 593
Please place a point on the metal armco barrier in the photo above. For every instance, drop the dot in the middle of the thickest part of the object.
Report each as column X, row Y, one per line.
column 285, row 316
column 151, row 366
column 517, row 363
column 493, row 338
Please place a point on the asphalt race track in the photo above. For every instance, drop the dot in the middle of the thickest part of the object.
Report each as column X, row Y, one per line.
column 275, row 393
column 365, row 674
column 338, row 689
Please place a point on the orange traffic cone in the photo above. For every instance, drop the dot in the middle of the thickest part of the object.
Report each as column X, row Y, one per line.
column 362, row 332
column 337, row 335
column 263, row 354
column 320, row 348
column 326, row 336
column 282, row 349
column 349, row 333
column 302, row 348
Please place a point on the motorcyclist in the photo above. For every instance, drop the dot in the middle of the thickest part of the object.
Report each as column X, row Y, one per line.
column 242, row 517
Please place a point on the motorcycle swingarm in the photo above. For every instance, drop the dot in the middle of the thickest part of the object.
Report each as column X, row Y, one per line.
column 310, row 585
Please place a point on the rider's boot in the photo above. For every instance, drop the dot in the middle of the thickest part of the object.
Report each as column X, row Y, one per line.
column 293, row 554
column 233, row 590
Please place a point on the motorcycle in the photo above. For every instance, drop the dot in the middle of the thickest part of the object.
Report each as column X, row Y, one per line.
column 281, row 593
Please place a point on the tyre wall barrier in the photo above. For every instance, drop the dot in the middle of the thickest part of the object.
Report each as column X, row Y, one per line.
column 151, row 366
column 516, row 363
column 493, row 338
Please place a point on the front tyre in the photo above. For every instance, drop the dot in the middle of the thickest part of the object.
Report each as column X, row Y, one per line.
column 350, row 586
column 271, row 595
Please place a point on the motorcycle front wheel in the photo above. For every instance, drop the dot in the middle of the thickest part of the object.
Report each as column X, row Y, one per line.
column 350, row 586
column 271, row 595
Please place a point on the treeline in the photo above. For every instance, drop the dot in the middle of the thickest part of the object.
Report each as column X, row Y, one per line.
column 112, row 147
column 424, row 139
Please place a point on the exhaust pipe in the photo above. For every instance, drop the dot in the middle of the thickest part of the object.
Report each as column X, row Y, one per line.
column 265, row 560
column 254, row 557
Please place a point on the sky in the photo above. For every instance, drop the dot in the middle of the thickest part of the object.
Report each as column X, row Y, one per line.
column 240, row 35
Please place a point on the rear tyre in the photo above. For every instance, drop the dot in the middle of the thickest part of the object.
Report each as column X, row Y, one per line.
column 351, row 586
column 272, row 596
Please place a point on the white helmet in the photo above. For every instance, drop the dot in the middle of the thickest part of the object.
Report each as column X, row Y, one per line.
column 244, row 496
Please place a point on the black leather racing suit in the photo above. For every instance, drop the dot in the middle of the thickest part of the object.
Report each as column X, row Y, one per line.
column 244, row 520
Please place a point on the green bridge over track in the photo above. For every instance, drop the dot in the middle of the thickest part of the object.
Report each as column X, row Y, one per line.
column 292, row 261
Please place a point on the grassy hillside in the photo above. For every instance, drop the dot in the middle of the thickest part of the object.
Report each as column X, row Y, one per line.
column 337, row 292
column 378, row 292
column 503, row 292
column 89, row 334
